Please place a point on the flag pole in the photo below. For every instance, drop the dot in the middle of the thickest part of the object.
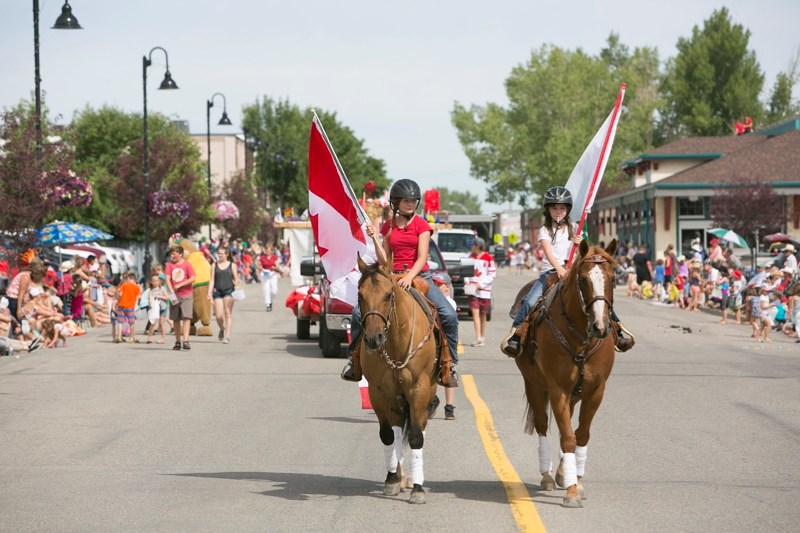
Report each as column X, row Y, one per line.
column 362, row 216
column 598, row 169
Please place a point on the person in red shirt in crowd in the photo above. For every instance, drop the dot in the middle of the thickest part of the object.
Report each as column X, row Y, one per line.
column 268, row 269
column 247, row 263
column 480, row 292
column 128, row 293
column 179, row 277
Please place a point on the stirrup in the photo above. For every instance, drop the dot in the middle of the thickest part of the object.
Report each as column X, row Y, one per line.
column 624, row 344
column 508, row 347
column 349, row 373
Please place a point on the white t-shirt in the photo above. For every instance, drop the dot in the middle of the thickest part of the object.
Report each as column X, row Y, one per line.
column 791, row 262
column 560, row 246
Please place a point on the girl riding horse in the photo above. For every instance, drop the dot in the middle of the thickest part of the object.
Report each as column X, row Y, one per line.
column 556, row 237
column 407, row 240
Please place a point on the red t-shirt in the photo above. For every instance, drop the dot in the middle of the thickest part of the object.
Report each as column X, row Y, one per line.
column 268, row 262
column 404, row 241
column 178, row 272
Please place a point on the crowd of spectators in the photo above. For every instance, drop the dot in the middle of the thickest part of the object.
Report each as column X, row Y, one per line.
column 714, row 279
column 44, row 303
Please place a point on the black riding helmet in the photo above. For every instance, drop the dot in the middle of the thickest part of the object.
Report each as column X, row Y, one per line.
column 558, row 195
column 404, row 189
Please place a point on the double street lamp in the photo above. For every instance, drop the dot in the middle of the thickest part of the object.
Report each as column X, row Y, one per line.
column 167, row 83
column 224, row 121
column 64, row 22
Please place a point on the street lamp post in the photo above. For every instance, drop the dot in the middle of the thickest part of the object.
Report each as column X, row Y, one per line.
column 167, row 83
column 64, row 22
column 224, row 121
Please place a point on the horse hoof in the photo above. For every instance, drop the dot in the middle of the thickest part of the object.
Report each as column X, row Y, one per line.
column 391, row 487
column 418, row 495
column 581, row 491
column 547, row 483
column 560, row 476
column 572, row 502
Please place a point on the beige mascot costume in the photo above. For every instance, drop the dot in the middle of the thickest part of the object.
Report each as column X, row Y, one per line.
column 202, row 271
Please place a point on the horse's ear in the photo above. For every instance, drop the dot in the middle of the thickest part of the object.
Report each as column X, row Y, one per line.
column 389, row 264
column 584, row 247
column 362, row 266
column 612, row 247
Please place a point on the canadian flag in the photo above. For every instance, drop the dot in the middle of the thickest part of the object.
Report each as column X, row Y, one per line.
column 338, row 222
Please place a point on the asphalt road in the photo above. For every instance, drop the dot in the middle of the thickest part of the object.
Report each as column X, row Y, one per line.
column 699, row 431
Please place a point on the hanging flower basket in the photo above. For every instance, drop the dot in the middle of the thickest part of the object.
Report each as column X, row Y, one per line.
column 70, row 190
column 165, row 203
column 225, row 210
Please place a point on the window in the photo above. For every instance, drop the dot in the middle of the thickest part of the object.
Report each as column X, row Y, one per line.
column 692, row 206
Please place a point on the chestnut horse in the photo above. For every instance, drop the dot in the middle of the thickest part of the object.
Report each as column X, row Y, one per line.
column 398, row 358
column 567, row 358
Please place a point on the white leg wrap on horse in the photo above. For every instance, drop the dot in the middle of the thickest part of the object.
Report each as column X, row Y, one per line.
column 580, row 459
column 390, row 457
column 398, row 444
column 568, row 465
column 417, row 474
column 545, row 460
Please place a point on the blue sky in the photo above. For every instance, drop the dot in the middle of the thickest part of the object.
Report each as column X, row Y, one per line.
column 391, row 71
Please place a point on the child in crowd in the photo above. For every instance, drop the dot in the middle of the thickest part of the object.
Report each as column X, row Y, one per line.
column 759, row 317
column 157, row 311
column 52, row 332
column 633, row 287
column 111, row 298
column 128, row 292
column 658, row 281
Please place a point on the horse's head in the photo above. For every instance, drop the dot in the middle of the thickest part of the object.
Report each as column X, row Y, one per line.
column 376, row 299
column 595, row 278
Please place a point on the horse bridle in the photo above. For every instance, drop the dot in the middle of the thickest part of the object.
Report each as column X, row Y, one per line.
column 581, row 356
column 412, row 350
column 385, row 318
column 598, row 260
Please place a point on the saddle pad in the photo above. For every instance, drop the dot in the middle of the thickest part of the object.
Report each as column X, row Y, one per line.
column 419, row 284
column 523, row 292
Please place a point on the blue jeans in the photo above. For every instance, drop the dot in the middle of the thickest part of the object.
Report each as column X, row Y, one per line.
column 534, row 294
column 447, row 315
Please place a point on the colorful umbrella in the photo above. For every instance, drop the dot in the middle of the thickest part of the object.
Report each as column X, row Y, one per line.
column 60, row 233
column 730, row 236
column 776, row 237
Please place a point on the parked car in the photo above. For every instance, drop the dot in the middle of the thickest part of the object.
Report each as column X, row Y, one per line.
column 335, row 315
column 455, row 244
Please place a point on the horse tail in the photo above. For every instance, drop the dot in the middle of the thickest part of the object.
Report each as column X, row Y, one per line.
column 530, row 416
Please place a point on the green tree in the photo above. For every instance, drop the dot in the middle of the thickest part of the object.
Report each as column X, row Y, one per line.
column 557, row 101
column 28, row 177
column 241, row 191
column 281, row 130
column 108, row 150
column 781, row 105
column 462, row 203
column 712, row 82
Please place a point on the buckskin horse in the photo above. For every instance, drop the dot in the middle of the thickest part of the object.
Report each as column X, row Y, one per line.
column 567, row 357
column 398, row 358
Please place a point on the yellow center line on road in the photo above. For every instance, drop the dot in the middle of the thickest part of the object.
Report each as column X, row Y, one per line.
column 522, row 506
